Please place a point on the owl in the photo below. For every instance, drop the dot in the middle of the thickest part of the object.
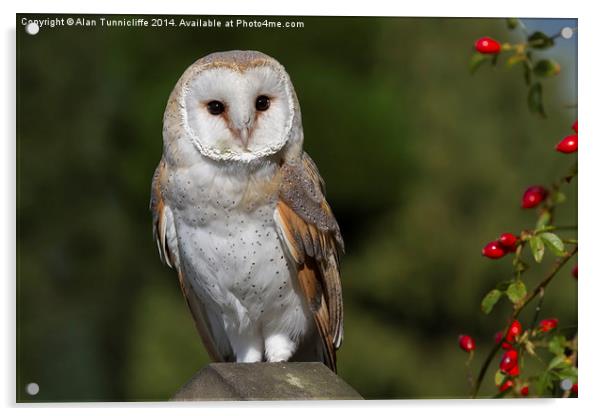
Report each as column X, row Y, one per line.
column 239, row 212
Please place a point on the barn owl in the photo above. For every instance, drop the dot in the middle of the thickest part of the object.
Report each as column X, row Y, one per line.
column 239, row 212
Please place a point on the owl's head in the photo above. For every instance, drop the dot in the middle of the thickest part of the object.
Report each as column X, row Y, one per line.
column 236, row 105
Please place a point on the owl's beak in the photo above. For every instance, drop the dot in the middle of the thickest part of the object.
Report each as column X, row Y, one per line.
column 243, row 135
column 241, row 127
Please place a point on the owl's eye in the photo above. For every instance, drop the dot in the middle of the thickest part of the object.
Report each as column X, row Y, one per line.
column 215, row 107
column 262, row 103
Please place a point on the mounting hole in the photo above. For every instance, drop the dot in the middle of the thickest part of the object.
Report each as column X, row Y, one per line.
column 32, row 28
column 566, row 32
column 566, row 384
column 32, row 389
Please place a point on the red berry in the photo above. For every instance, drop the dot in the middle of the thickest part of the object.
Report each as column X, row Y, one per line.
column 574, row 272
column 506, row 385
column 514, row 371
column 533, row 196
column 524, row 391
column 574, row 127
column 466, row 343
column 487, row 45
column 509, row 361
column 514, row 331
column 548, row 324
column 507, row 240
column 493, row 250
column 568, row 144
column 574, row 388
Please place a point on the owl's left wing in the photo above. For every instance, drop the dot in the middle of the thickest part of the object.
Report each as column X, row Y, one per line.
column 312, row 237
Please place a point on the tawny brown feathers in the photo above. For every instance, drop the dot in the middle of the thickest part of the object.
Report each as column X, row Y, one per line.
column 314, row 241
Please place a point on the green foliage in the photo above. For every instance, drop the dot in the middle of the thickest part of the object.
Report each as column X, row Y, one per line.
column 544, row 382
column 512, row 23
column 543, row 220
column 523, row 53
column 477, row 60
column 546, row 68
column 499, row 378
column 558, row 197
column 537, row 248
column 490, row 300
column 554, row 243
column 516, row 291
column 562, row 365
column 557, row 345
column 540, row 40
column 535, row 99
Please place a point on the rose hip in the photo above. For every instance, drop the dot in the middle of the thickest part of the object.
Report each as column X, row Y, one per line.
column 514, row 331
column 493, row 250
column 548, row 324
column 487, row 45
column 466, row 343
column 508, row 241
column 533, row 196
column 568, row 144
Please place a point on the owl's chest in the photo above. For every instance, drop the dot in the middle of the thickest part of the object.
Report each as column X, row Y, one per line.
column 229, row 249
column 228, row 240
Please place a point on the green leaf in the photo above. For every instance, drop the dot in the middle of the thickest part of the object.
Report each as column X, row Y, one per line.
column 540, row 40
column 476, row 61
column 537, row 248
column 557, row 345
column 567, row 372
column 516, row 291
column 543, row 220
column 490, row 300
column 544, row 382
column 557, row 361
column 553, row 242
column 546, row 68
column 511, row 23
column 499, row 377
column 535, row 99
column 558, row 197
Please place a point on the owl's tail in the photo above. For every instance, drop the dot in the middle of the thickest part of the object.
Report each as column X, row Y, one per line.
column 311, row 349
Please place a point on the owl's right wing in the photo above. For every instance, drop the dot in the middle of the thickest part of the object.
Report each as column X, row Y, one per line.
column 164, row 233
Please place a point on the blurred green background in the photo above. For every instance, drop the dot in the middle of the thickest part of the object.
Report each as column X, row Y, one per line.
column 423, row 162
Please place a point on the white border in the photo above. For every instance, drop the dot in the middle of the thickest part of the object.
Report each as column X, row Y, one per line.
column 590, row 373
